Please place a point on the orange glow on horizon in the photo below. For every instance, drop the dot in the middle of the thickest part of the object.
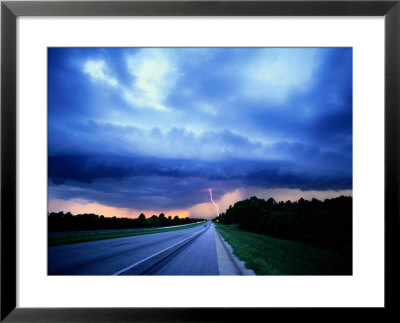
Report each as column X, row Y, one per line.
column 79, row 206
column 204, row 210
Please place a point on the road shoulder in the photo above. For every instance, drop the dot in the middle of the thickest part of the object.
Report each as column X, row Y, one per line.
column 228, row 263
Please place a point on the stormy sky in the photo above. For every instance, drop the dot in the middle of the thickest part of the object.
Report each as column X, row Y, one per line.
column 152, row 129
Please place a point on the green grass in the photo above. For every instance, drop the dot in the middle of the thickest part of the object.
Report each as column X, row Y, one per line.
column 272, row 256
column 84, row 237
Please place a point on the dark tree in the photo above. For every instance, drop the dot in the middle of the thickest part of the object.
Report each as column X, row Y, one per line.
column 58, row 222
column 327, row 223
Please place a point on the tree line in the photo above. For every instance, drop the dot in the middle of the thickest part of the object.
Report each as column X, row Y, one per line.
column 60, row 221
column 327, row 223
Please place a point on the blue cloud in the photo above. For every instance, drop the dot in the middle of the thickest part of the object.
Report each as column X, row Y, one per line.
column 173, row 121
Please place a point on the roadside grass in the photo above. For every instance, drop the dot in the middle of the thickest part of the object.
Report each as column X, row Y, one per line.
column 272, row 256
column 84, row 237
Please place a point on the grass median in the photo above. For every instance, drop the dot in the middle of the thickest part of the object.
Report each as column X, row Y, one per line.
column 271, row 256
column 84, row 237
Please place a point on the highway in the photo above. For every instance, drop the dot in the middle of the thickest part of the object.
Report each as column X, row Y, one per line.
column 190, row 251
column 60, row 233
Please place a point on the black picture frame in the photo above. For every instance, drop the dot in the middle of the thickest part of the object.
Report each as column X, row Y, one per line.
column 10, row 10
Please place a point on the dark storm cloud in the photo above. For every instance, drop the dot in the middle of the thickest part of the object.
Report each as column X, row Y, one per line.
column 130, row 182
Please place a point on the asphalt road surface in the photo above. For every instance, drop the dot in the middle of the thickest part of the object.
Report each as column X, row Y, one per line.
column 58, row 233
column 183, row 252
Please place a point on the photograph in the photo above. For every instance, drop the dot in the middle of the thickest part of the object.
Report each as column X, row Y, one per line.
column 200, row 161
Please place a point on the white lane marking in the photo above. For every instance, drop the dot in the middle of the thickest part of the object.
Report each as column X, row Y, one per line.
column 149, row 257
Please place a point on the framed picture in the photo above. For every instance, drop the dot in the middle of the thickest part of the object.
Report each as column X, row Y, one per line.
column 149, row 131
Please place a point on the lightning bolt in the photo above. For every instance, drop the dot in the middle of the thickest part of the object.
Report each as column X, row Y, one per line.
column 216, row 206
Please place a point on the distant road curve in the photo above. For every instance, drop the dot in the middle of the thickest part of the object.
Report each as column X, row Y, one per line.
column 189, row 251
